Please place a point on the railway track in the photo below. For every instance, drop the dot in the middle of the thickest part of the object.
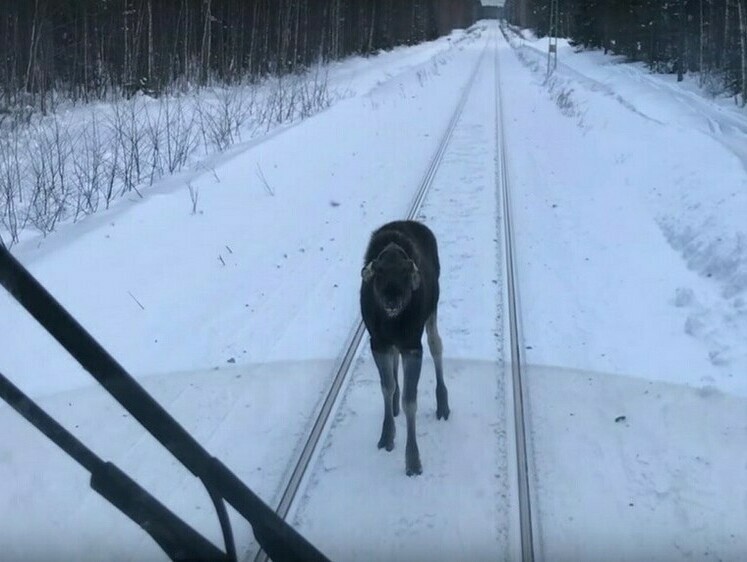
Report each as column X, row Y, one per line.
column 352, row 347
column 516, row 356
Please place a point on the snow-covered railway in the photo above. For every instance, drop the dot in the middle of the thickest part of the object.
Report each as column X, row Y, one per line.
column 350, row 500
column 352, row 348
column 363, row 510
column 513, row 321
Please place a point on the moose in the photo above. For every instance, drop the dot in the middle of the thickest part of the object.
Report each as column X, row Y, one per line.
column 399, row 298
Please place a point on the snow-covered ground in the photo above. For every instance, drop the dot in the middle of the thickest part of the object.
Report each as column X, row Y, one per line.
column 628, row 192
column 244, row 278
column 460, row 507
column 251, row 278
column 650, row 177
column 629, row 201
column 632, row 469
column 62, row 167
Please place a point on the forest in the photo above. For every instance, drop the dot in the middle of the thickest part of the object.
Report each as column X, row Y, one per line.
column 99, row 49
column 671, row 36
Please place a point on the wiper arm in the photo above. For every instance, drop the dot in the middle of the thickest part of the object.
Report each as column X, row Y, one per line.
column 177, row 539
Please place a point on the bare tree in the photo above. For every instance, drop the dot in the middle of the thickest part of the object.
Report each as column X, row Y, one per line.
column 206, row 43
column 742, row 9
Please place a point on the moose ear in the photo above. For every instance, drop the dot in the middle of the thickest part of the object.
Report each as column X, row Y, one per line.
column 367, row 272
column 414, row 276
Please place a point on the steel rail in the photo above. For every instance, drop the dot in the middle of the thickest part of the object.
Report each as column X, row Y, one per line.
column 504, row 193
column 343, row 368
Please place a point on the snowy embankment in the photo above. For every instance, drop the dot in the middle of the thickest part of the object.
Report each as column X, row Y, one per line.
column 654, row 154
column 225, row 272
column 629, row 201
column 62, row 167
column 266, row 268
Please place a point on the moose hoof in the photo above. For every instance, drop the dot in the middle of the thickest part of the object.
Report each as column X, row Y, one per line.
column 415, row 469
column 412, row 461
column 443, row 413
column 387, row 444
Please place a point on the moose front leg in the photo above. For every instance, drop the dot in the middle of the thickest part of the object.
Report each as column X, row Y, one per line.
column 412, row 361
column 384, row 359
column 395, row 405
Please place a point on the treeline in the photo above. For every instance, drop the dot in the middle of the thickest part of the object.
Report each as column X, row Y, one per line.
column 674, row 36
column 94, row 49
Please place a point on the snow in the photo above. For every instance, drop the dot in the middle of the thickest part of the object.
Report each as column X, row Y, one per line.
column 629, row 197
column 224, row 283
column 628, row 214
column 251, row 279
column 695, row 190
column 105, row 151
column 459, row 507
column 234, row 412
column 662, row 483
column 359, row 505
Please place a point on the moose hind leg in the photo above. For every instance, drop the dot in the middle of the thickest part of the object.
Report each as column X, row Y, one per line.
column 385, row 363
column 412, row 363
column 436, row 347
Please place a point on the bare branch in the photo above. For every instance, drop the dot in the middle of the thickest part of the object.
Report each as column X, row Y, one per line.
column 262, row 178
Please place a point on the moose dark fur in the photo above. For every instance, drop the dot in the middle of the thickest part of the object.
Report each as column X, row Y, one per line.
column 399, row 298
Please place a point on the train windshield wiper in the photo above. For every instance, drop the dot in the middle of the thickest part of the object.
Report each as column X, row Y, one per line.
column 278, row 539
